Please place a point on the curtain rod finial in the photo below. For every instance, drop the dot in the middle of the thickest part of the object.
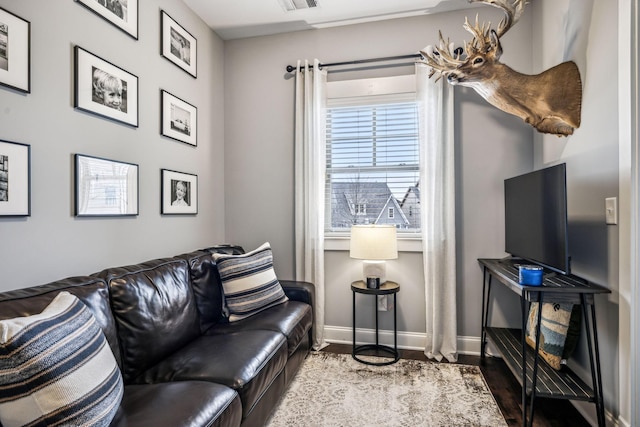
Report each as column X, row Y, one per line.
column 290, row 68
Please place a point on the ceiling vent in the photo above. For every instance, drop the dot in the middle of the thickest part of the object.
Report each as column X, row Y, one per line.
column 290, row 5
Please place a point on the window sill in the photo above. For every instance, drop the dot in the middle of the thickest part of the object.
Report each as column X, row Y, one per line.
column 341, row 243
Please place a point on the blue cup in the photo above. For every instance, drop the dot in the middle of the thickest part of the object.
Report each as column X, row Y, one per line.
column 530, row 275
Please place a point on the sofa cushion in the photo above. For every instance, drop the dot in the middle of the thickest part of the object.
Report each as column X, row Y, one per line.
column 249, row 282
column 179, row 404
column 92, row 291
column 247, row 361
column 291, row 318
column 155, row 310
column 57, row 368
column 207, row 288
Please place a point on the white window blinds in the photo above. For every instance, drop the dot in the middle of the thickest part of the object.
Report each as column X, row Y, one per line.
column 372, row 163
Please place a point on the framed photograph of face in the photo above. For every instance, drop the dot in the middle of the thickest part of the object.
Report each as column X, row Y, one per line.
column 105, row 187
column 15, row 52
column 121, row 13
column 15, row 179
column 178, row 46
column 105, row 89
column 179, row 119
column 179, row 193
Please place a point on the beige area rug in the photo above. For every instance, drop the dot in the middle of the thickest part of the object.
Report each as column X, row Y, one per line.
column 335, row 390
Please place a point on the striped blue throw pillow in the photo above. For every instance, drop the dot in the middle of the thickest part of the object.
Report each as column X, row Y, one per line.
column 249, row 282
column 56, row 368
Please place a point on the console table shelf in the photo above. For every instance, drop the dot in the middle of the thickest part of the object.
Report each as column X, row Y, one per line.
column 535, row 376
column 550, row 383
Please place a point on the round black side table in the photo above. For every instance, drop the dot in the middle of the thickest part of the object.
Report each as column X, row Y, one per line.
column 386, row 288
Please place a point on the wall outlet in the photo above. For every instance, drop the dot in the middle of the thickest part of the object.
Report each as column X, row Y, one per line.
column 611, row 210
column 382, row 303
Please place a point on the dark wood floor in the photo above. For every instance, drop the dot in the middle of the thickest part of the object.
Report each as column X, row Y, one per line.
column 506, row 390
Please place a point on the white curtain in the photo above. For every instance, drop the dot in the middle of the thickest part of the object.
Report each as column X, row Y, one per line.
column 310, row 165
column 437, row 181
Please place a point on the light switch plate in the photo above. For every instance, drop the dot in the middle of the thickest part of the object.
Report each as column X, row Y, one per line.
column 611, row 210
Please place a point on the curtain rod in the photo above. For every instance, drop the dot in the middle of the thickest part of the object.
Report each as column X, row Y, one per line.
column 291, row 68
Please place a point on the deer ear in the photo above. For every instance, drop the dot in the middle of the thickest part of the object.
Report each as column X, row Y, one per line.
column 496, row 47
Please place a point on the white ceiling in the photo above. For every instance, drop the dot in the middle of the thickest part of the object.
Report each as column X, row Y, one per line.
column 232, row 19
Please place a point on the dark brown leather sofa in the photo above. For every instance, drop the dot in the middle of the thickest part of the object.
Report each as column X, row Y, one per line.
column 182, row 363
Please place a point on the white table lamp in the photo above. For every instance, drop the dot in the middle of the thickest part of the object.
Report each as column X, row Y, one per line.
column 374, row 244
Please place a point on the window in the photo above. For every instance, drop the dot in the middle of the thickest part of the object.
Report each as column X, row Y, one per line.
column 372, row 162
column 359, row 209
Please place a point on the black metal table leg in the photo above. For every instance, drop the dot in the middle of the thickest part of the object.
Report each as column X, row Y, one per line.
column 486, row 293
column 594, row 359
column 536, row 356
column 523, row 342
column 395, row 326
column 353, row 312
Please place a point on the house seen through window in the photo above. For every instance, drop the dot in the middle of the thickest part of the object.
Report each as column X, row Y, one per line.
column 372, row 162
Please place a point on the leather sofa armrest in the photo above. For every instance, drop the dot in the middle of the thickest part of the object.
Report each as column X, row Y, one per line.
column 299, row 291
column 303, row 292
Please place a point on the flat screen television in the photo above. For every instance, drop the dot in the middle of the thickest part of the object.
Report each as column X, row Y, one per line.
column 536, row 218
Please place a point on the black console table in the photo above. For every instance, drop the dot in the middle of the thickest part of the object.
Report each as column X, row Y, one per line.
column 536, row 377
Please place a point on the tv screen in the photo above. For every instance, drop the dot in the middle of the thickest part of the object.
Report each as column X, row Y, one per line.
column 536, row 218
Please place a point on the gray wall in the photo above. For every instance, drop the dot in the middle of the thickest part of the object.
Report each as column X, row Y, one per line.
column 490, row 145
column 52, row 243
column 591, row 155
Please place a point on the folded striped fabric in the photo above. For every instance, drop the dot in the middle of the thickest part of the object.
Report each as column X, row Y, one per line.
column 559, row 331
column 57, row 369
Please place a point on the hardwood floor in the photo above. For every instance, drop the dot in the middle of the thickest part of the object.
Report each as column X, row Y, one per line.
column 506, row 390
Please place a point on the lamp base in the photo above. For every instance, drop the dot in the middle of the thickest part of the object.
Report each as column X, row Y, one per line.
column 376, row 270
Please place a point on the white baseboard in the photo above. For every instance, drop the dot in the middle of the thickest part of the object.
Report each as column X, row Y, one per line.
column 466, row 345
column 406, row 340
column 623, row 423
column 588, row 411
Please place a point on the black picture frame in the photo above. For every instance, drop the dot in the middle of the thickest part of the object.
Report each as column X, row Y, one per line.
column 121, row 13
column 179, row 193
column 178, row 45
column 15, row 52
column 179, row 119
column 104, row 89
column 105, row 187
column 15, row 179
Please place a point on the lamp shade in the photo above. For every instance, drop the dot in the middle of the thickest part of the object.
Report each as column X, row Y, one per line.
column 373, row 242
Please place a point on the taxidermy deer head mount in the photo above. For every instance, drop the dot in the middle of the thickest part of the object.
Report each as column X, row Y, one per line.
column 549, row 101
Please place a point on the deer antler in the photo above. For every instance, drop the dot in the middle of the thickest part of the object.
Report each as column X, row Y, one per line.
column 512, row 10
column 442, row 59
column 480, row 40
column 481, row 34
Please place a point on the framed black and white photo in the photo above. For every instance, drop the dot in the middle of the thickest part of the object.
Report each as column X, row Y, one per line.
column 105, row 89
column 105, row 187
column 15, row 179
column 121, row 13
column 179, row 193
column 15, row 52
column 178, row 46
column 179, row 119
